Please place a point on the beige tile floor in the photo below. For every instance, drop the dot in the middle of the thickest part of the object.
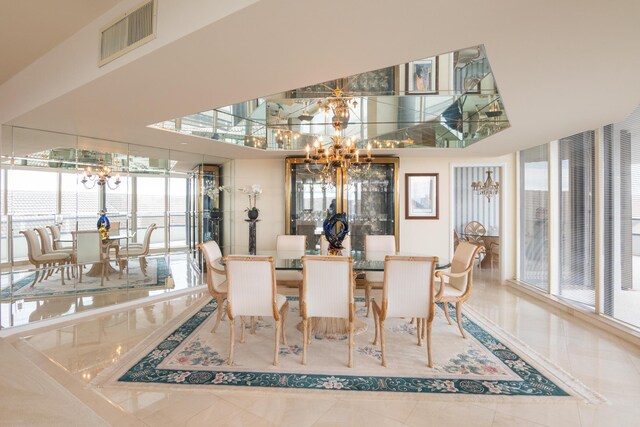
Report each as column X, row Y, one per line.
column 53, row 369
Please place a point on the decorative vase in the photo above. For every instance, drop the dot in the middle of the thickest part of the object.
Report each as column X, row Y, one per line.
column 334, row 233
column 253, row 213
column 103, row 221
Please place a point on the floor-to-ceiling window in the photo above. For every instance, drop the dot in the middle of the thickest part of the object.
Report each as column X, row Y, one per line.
column 534, row 217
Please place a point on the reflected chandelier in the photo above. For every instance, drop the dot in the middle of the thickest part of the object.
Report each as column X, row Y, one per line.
column 101, row 177
column 488, row 188
column 342, row 153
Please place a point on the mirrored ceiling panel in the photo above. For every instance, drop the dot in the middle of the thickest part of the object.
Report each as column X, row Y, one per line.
column 445, row 101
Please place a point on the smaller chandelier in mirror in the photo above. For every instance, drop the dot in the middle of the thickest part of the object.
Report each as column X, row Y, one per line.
column 101, row 176
column 488, row 188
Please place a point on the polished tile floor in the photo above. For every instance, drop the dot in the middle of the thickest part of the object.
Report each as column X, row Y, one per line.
column 59, row 365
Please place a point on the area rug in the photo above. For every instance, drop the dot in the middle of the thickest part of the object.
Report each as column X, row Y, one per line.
column 157, row 273
column 487, row 363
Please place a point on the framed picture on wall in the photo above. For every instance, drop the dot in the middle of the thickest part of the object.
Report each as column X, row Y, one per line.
column 422, row 76
column 421, row 196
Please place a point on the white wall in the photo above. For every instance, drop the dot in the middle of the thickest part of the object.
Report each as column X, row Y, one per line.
column 422, row 236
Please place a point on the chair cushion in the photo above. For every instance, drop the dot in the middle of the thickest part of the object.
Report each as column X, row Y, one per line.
column 280, row 300
column 451, row 292
column 54, row 256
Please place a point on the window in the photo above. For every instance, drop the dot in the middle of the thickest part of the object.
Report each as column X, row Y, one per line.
column 534, row 217
column 151, row 208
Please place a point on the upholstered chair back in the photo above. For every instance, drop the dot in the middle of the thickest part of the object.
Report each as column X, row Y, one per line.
column 89, row 246
column 33, row 244
column 462, row 258
column 47, row 246
column 252, row 288
column 376, row 248
column 212, row 254
column 55, row 233
column 294, row 246
column 327, row 289
column 408, row 286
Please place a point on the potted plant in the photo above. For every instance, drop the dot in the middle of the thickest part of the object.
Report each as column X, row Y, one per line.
column 253, row 192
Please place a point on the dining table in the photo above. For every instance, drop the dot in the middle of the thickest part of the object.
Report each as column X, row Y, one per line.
column 96, row 268
column 373, row 261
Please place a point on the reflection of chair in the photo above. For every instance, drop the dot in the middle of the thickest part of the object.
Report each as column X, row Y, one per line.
column 40, row 260
column 89, row 250
column 474, row 233
column 137, row 251
column 55, row 234
column 460, row 280
column 216, row 279
column 288, row 246
column 114, row 230
column 47, row 247
column 327, row 291
column 494, row 253
column 252, row 292
column 375, row 249
column 407, row 292
column 324, row 246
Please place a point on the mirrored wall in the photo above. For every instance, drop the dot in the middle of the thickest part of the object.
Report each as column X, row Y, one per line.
column 87, row 223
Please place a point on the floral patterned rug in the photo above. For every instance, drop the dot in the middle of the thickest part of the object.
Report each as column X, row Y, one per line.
column 157, row 273
column 488, row 362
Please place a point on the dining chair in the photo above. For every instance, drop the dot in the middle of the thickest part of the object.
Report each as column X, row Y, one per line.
column 494, row 253
column 327, row 291
column 252, row 292
column 55, row 234
column 457, row 288
column 216, row 277
column 89, row 250
column 324, row 245
column 407, row 291
column 290, row 246
column 47, row 247
column 114, row 230
column 376, row 248
column 474, row 233
column 41, row 260
column 139, row 251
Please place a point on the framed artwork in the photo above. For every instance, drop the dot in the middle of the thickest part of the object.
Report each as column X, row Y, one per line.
column 421, row 196
column 422, row 76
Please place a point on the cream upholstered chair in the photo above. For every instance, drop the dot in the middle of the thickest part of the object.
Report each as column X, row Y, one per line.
column 457, row 289
column 494, row 253
column 376, row 248
column 253, row 292
column 47, row 247
column 327, row 291
column 290, row 246
column 140, row 252
column 89, row 250
column 216, row 278
column 55, row 234
column 40, row 260
column 407, row 291
column 324, row 246
column 474, row 233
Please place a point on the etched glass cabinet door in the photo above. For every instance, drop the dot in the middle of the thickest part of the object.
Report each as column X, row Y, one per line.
column 369, row 199
column 310, row 196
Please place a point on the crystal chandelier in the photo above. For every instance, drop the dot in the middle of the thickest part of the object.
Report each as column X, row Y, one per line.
column 488, row 188
column 101, row 177
column 342, row 153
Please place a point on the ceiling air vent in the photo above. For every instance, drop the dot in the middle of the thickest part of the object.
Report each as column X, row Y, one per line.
column 137, row 27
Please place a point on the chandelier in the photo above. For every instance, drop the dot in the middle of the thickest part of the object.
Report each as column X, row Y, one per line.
column 488, row 188
column 342, row 153
column 101, row 177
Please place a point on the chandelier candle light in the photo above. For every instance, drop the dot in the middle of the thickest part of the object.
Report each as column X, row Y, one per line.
column 100, row 177
column 488, row 188
column 343, row 152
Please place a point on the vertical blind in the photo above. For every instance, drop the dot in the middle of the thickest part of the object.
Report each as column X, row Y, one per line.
column 534, row 217
column 577, row 220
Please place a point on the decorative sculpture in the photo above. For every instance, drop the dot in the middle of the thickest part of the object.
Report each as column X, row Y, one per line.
column 336, row 229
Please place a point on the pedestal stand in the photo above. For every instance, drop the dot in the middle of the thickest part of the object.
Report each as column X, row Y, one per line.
column 252, row 235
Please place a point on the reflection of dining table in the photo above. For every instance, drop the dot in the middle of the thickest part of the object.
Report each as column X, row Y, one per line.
column 96, row 268
column 326, row 326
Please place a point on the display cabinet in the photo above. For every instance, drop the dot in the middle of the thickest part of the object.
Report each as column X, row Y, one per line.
column 205, row 208
column 369, row 199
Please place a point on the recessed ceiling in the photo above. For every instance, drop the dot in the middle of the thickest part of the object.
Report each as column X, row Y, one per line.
column 31, row 28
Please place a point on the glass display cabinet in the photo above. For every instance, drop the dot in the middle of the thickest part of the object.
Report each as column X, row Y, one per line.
column 369, row 199
column 205, row 207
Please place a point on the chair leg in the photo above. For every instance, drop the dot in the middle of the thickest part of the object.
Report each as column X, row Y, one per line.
column 424, row 329
column 367, row 297
column 252, row 331
column 143, row 266
column 80, row 273
column 459, row 318
column 445, row 307
column 276, row 348
column 283, row 315
column 62, row 274
column 351, row 344
column 419, row 330
column 309, row 332
column 305, row 333
column 376, row 325
column 231, row 339
column 35, row 279
column 429, row 361
column 242, row 327
column 219, row 309
column 45, row 272
column 384, row 360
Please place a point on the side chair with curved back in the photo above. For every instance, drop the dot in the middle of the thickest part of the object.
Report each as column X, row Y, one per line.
column 376, row 248
column 47, row 248
column 216, row 278
column 40, row 260
column 460, row 281
column 139, row 251
column 474, row 233
column 89, row 249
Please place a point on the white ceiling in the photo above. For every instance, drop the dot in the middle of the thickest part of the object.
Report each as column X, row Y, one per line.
column 30, row 28
column 561, row 67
